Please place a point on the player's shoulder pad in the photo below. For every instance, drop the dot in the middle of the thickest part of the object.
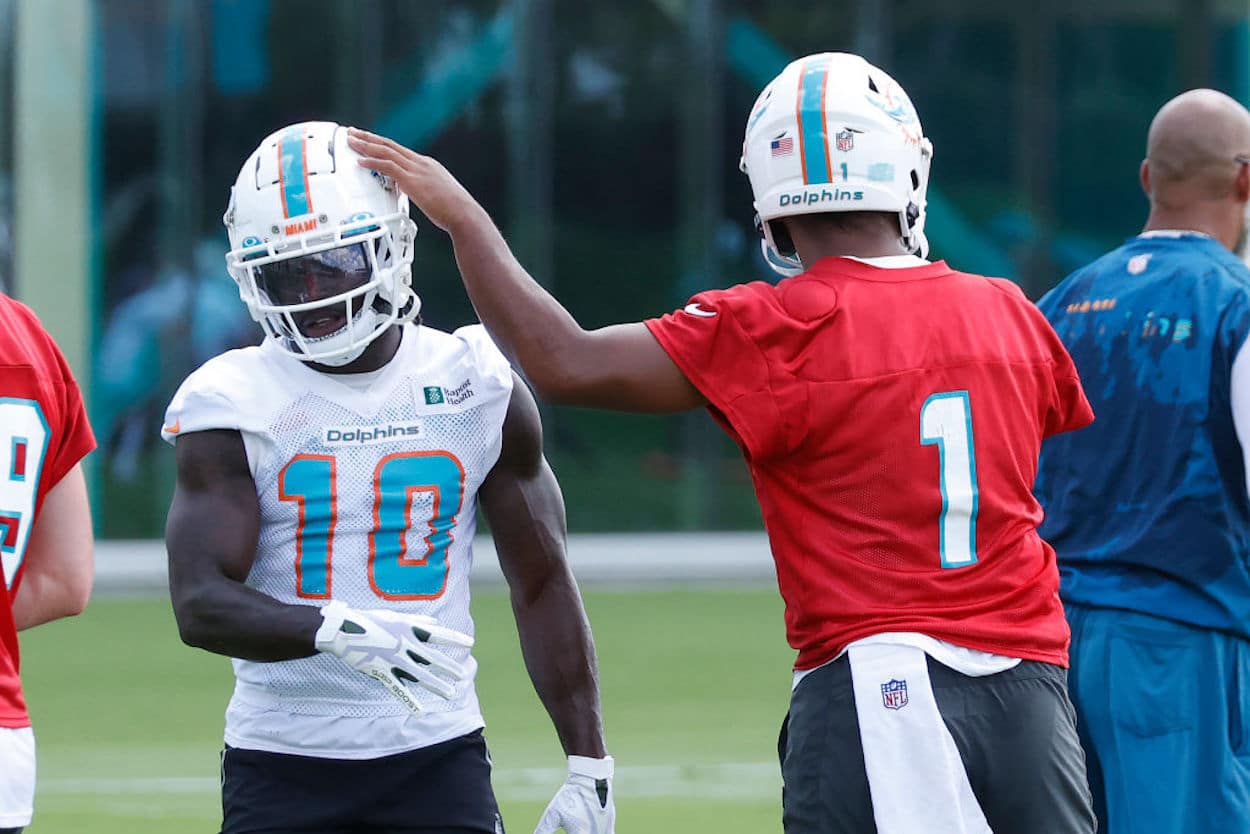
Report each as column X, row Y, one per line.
column 459, row 370
column 229, row 391
column 731, row 301
column 29, row 327
column 22, row 311
column 1008, row 286
column 487, row 358
column 1020, row 304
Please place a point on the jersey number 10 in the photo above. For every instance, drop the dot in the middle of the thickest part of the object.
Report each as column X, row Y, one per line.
column 311, row 482
column 946, row 420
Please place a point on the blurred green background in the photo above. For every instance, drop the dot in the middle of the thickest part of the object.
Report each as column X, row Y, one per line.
column 604, row 137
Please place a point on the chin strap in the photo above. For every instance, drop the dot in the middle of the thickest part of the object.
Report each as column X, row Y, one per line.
column 783, row 265
column 345, row 358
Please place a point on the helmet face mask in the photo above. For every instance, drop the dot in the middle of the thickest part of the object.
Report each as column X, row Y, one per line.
column 832, row 133
column 323, row 284
column 318, row 277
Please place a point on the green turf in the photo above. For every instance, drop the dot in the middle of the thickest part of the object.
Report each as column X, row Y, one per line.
column 695, row 683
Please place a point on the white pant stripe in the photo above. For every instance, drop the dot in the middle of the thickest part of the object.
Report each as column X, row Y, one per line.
column 915, row 775
column 17, row 776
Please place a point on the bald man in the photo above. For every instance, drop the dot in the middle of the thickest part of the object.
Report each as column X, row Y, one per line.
column 1147, row 509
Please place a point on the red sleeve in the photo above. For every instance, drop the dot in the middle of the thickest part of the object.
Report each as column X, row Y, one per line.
column 709, row 342
column 73, row 437
column 1069, row 410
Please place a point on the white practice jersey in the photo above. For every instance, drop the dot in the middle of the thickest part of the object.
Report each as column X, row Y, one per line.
column 368, row 494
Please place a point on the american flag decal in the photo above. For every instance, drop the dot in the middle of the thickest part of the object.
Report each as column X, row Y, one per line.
column 782, row 145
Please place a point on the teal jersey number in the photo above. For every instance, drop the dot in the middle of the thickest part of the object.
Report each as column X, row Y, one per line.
column 23, row 445
column 946, row 420
column 311, row 482
column 393, row 574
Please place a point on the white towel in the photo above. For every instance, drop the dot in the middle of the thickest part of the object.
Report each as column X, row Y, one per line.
column 915, row 775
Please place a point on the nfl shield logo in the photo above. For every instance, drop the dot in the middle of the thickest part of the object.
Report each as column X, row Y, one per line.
column 1138, row 263
column 894, row 694
column 845, row 140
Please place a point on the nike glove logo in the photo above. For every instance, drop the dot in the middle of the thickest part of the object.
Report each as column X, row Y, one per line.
column 601, row 785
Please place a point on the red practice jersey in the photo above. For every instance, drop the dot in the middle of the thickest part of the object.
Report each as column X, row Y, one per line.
column 891, row 420
column 43, row 433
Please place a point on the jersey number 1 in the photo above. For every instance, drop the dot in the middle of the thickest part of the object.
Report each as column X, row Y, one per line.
column 311, row 482
column 946, row 420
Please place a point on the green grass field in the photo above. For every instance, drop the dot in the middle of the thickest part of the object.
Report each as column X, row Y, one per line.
column 695, row 684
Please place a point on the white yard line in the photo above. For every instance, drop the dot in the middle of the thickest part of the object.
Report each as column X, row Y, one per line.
column 613, row 560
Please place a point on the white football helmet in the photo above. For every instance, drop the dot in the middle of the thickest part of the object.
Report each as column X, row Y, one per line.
column 833, row 133
column 320, row 247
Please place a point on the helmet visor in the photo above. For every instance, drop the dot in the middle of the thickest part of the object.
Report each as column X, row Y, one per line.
column 315, row 277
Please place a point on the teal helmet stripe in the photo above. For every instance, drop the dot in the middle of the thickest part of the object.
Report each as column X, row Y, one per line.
column 814, row 144
column 293, row 173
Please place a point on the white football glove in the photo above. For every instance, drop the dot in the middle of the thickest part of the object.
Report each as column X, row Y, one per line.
column 394, row 649
column 584, row 804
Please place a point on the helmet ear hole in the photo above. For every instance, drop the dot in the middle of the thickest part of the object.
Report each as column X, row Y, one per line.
column 782, row 239
column 780, row 236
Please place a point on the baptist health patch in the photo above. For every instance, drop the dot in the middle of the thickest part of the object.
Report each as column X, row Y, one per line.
column 437, row 395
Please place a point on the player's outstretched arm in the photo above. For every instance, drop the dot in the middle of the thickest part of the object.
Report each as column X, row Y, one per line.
column 59, row 569
column 621, row 367
column 523, row 504
column 211, row 537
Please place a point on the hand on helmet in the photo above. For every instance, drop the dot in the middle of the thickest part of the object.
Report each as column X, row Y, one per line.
column 423, row 179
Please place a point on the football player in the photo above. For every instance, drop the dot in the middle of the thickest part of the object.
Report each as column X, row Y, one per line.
column 322, row 527
column 46, row 545
column 890, row 410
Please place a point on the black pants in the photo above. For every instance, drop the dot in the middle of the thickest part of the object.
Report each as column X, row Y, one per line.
column 1015, row 733
column 10, row 831
column 441, row 789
